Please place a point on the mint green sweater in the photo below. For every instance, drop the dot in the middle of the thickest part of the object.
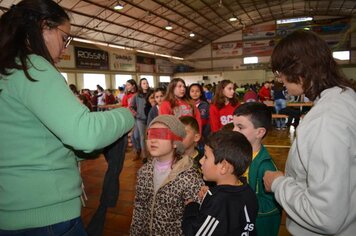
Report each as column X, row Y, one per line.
column 40, row 124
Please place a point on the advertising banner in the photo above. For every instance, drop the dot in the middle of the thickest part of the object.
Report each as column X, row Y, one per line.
column 232, row 48
column 261, row 31
column 88, row 58
column 122, row 61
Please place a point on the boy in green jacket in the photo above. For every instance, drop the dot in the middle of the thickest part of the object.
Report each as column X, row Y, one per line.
column 253, row 120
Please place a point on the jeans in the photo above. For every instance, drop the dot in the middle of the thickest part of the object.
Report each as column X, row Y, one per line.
column 72, row 227
column 115, row 157
column 138, row 137
column 279, row 104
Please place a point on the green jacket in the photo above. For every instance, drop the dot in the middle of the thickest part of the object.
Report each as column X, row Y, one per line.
column 41, row 124
column 269, row 212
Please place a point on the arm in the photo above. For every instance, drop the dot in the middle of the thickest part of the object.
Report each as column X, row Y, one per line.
column 53, row 103
column 267, row 204
column 214, row 118
column 165, row 108
column 152, row 114
column 190, row 222
column 124, row 102
column 198, row 118
column 204, row 110
column 322, row 203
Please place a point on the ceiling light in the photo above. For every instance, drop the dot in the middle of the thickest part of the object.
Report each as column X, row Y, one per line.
column 169, row 26
column 118, row 6
column 191, row 35
column 233, row 18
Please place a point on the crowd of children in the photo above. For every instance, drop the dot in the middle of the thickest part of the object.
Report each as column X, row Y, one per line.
column 204, row 157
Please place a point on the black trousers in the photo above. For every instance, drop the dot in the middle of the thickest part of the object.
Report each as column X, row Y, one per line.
column 115, row 157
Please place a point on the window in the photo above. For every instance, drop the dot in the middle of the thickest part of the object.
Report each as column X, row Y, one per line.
column 149, row 79
column 65, row 75
column 120, row 80
column 342, row 55
column 250, row 60
column 164, row 79
column 91, row 80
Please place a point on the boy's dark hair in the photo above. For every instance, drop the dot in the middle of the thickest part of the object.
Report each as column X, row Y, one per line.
column 191, row 121
column 232, row 147
column 228, row 126
column 258, row 113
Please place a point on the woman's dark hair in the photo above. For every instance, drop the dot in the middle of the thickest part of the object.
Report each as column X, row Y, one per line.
column 140, row 90
column 171, row 98
column 134, row 84
column 219, row 97
column 160, row 89
column 21, row 33
column 233, row 147
column 100, row 88
column 304, row 58
column 74, row 89
column 202, row 94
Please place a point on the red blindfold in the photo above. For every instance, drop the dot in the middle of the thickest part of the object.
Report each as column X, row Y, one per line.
column 162, row 133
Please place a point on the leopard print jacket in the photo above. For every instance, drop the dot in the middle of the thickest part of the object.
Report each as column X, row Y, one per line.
column 160, row 213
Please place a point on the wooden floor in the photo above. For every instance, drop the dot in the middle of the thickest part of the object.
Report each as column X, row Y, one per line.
column 118, row 219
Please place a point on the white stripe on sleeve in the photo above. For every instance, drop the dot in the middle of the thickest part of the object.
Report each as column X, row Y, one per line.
column 246, row 215
column 208, row 226
column 213, row 228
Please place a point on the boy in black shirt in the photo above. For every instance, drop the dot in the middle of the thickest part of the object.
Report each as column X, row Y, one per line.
column 229, row 208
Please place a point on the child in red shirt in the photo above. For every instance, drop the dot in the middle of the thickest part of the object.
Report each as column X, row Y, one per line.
column 223, row 105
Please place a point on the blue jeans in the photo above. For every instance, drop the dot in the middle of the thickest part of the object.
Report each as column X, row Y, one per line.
column 138, row 137
column 279, row 104
column 72, row 227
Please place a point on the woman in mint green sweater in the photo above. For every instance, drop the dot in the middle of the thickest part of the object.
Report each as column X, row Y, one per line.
column 43, row 125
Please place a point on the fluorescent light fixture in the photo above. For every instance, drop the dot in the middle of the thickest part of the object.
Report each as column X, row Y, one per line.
column 342, row 55
column 233, row 18
column 293, row 20
column 250, row 60
column 90, row 41
column 146, row 52
column 162, row 55
column 118, row 46
column 191, row 35
column 118, row 6
column 178, row 58
column 169, row 26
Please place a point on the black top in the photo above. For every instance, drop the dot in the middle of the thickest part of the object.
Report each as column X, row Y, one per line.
column 225, row 210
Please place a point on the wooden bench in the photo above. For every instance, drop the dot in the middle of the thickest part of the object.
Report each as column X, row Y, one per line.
column 278, row 116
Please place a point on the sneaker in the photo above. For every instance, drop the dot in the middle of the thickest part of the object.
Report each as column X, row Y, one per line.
column 278, row 128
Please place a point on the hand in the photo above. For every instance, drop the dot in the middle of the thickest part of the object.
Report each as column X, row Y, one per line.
column 188, row 201
column 269, row 177
column 202, row 192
